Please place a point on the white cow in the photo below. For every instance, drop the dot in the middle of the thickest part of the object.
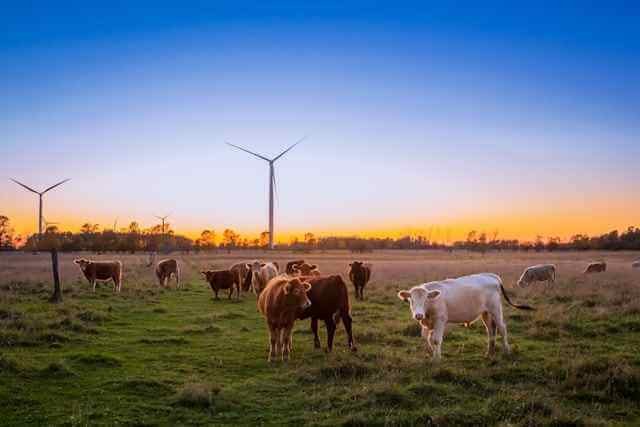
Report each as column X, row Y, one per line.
column 462, row 301
column 538, row 273
column 261, row 273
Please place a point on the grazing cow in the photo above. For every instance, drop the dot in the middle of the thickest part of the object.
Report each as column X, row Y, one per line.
column 101, row 271
column 291, row 266
column 165, row 269
column 596, row 267
column 462, row 301
column 261, row 273
column 305, row 269
column 222, row 279
column 242, row 275
column 329, row 302
column 538, row 273
column 635, row 264
column 280, row 302
column 359, row 274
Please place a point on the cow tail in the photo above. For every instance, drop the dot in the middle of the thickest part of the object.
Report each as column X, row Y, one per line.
column 518, row 306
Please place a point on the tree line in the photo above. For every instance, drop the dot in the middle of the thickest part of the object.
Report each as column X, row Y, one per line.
column 156, row 239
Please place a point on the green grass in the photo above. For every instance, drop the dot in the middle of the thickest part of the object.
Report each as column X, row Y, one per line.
column 167, row 357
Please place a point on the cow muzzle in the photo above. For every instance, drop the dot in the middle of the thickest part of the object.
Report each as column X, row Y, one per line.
column 306, row 305
column 418, row 316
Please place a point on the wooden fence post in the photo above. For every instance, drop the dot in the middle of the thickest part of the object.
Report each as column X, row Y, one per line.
column 57, row 291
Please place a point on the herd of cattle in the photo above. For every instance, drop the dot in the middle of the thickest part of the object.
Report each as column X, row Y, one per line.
column 303, row 292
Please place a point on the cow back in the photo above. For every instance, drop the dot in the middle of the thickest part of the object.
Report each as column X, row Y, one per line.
column 328, row 295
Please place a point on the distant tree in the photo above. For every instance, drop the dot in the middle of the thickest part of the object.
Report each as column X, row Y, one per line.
column 230, row 238
column 310, row 240
column 264, row 239
column 6, row 234
column 88, row 228
column 207, row 239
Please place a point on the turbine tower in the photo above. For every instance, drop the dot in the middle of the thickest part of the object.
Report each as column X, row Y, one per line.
column 272, row 180
column 40, row 194
column 162, row 218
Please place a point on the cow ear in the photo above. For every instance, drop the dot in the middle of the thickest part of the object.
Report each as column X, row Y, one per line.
column 262, row 264
column 433, row 295
column 313, row 267
column 307, row 286
column 76, row 261
column 350, row 264
column 248, row 266
column 404, row 295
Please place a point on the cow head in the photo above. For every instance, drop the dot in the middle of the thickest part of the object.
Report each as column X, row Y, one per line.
column 295, row 291
column 419, row 300
column 305, row 269
column 208, row 275
column 356, row 265
column 82, row 263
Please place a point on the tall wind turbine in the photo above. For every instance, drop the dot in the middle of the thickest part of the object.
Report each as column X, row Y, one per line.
column 40, row 194
column 163, row 219
column 272, row 180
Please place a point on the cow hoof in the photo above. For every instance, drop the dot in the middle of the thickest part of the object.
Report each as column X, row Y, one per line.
column 354, row 349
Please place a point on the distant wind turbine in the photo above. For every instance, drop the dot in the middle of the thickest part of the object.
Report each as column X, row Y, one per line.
column 162, row 218
column 272, row 180
column 40, row 194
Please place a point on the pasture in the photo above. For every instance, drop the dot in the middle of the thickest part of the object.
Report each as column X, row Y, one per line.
column 152, row 356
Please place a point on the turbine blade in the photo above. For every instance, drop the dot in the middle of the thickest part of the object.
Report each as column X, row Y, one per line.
column 55, row 185
column 288, row 149
column 250, row 152
column 24, row 186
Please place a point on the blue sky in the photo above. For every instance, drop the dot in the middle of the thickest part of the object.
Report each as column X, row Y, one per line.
column 520, row 118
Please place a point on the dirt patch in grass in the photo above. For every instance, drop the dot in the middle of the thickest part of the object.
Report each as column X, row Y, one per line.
column 197, row 395
column 164, row 341
column 95, row 360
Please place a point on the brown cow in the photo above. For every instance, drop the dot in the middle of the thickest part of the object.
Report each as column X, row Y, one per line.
column 101, row 271
column 329, row 302
column 280, row 302
column 291, row 266
column 165, row 269
column 596, row 267
column 359, row 274
column 222, row 279
column 242, row 275
column 305, row 269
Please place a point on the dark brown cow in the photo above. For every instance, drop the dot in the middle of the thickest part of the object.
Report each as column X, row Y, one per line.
column 596, row 267
column 291, row 266
column 359, row 274
column 101, row 271
column 222, row 279
column 329, row 302
column 165, row 269
column 280, row 302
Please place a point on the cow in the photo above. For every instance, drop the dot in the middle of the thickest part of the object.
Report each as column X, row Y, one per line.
column 459, row 301
column 635, row 264
column 167, row 268
column 280, row 302
column 596, row 267
column 291, row 266
column 305, row 269
column 222, row 279
column 537, row 273
column 359, row 274
column 101, row 271
column 330, row 303
column 242, row 275
column 261, row 273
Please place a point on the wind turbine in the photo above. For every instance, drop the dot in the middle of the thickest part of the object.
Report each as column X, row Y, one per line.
column 272, row 179
column 162, row 218
column 40, row 194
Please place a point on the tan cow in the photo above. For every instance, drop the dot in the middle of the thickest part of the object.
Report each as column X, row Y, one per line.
column 241, row 272
column 305, row 269
column 280, row 302
column 596, row 267
column 538, row 273
column 101, row 271
column 261, row 273
column 167, row 268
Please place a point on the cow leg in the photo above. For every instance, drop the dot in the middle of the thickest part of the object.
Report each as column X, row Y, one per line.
column 216, row 292
column 490, row 326
column 426, row 334
column 93, row 284
column 348, row 321
column 331, row 331
column 502, row 329
column 286, row 342
column 314, row 329
column 274, row 335
column 436, row 340
column 362, row 293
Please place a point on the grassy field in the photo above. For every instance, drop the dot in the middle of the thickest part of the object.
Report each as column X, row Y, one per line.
column 153, row 356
